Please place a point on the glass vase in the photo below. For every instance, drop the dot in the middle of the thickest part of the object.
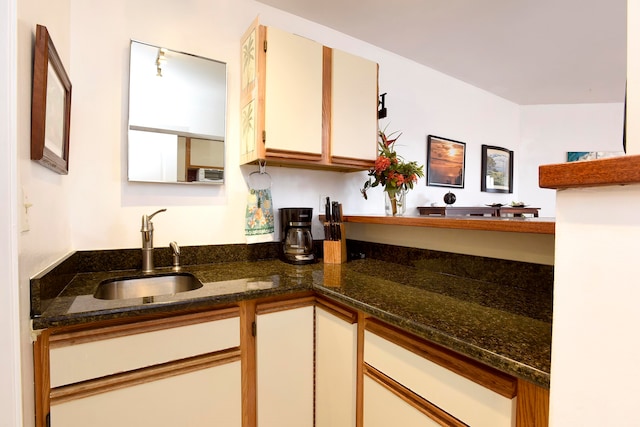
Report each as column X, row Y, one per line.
column 394, row 203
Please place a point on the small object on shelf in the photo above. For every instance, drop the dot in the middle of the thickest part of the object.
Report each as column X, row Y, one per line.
column 449, row 198
column 518, row 205
column 495, row 205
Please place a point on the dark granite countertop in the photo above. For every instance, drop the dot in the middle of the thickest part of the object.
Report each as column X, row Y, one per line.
column 504, row 326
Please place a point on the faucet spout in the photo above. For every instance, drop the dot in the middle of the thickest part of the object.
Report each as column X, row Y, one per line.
column 147, row 241
column 176, row 255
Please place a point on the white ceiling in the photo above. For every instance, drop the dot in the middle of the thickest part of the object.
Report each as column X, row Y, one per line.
column 527, row 51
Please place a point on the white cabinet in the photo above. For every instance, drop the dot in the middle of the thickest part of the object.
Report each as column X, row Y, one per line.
column 336, row 367
column 383, row 408
column 354, row 101
column 183, row 370
column 210, row 396
column 435, row 389
column 304, row 104
column 284, row 366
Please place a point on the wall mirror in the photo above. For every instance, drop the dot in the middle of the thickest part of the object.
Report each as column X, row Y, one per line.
column 177, row 116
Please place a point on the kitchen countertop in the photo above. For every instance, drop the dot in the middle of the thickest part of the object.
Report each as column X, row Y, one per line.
column 506, row 327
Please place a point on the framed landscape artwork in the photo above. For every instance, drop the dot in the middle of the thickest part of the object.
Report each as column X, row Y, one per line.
column 445, row 162
column 497, row 170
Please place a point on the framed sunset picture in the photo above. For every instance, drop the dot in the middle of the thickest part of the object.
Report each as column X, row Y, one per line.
column 445, row 162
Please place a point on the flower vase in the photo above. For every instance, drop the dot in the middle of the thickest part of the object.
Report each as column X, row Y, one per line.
column 394, row 203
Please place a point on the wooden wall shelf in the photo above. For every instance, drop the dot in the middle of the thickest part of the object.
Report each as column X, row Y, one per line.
column 621, row 170
column 511, row 225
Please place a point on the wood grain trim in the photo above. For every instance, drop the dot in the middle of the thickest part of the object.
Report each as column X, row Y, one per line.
column 248, row 369
column 532, row 405
column 355, row 163
column 338, row 310
column 360, row 370
column 327, row 101
column 261, row 78
column 41, row 377
column 418, row 402
column 289, row 304
column 501, row 383
column 295, row 155
column 592, row 173
column 64, row 339
column 512, row 225
column 143, row 375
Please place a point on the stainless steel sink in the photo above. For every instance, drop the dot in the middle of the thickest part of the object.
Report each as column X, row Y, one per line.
column 151, row 286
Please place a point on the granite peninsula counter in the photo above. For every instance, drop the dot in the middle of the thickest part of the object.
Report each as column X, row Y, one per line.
column 507, row 327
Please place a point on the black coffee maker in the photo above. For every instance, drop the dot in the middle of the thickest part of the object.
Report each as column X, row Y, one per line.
column 295, row 230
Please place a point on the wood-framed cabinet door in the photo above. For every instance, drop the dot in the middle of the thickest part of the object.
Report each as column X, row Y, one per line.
column 336, row 367
column 204, row 397
column 284, row 367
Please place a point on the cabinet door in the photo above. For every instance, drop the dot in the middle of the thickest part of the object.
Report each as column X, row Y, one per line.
column 336, row 344
column 464, row 399
column 207, row 397
column 284, row 365
column 293, row 93
column 382, row 408
column 354, row 107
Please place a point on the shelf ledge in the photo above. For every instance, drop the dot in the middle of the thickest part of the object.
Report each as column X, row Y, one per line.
column 511, row 225
column 621, row 170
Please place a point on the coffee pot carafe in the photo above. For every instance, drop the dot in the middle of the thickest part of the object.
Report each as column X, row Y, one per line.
column 297, row 241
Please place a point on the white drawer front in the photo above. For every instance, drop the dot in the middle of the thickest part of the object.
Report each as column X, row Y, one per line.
column 95, row 359
column 384, row 409
column 462, row 398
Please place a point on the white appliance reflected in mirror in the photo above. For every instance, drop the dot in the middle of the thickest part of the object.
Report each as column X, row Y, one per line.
column 177, row 116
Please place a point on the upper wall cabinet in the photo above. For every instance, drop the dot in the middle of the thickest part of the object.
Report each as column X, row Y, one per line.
column 306, row 105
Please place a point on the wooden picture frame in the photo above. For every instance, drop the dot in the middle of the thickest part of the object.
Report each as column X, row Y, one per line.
column 50, row 106
column 445, row 162
column 497, row 170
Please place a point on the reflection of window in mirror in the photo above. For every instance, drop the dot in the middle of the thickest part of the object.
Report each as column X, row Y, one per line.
column 177, row 115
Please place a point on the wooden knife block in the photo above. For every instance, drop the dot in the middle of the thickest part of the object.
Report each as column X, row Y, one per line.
column 335, row 251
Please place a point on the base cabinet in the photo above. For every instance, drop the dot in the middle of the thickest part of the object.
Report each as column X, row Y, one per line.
column 181, row 370
column 284, row 367
column 336, row 368
column 453, row 390
column 383, row 408
column 210, row 396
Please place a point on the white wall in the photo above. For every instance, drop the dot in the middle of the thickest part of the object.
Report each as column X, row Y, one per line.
column 49, row 220
column 549, row 131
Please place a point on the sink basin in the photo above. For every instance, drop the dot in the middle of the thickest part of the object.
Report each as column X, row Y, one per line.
column 151, row 286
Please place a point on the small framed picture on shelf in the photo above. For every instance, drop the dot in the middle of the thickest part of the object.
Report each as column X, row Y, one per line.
column 445, row 162
column 497, row 170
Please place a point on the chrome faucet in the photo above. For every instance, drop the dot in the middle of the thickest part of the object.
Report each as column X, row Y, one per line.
column 147, row 241
column 176, row 255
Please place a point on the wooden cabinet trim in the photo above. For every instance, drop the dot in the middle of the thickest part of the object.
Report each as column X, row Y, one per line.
column 356, row 163
column 63, row 338
column 248, row 368
column 416, row 401
column 338, row 310
column 287, row 304
column 143, row 375
column 327, row 58
column 499, row 382
column 532, row 405
column 41, row 377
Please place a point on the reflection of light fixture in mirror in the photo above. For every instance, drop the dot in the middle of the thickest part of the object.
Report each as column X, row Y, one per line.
column 160, row 60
